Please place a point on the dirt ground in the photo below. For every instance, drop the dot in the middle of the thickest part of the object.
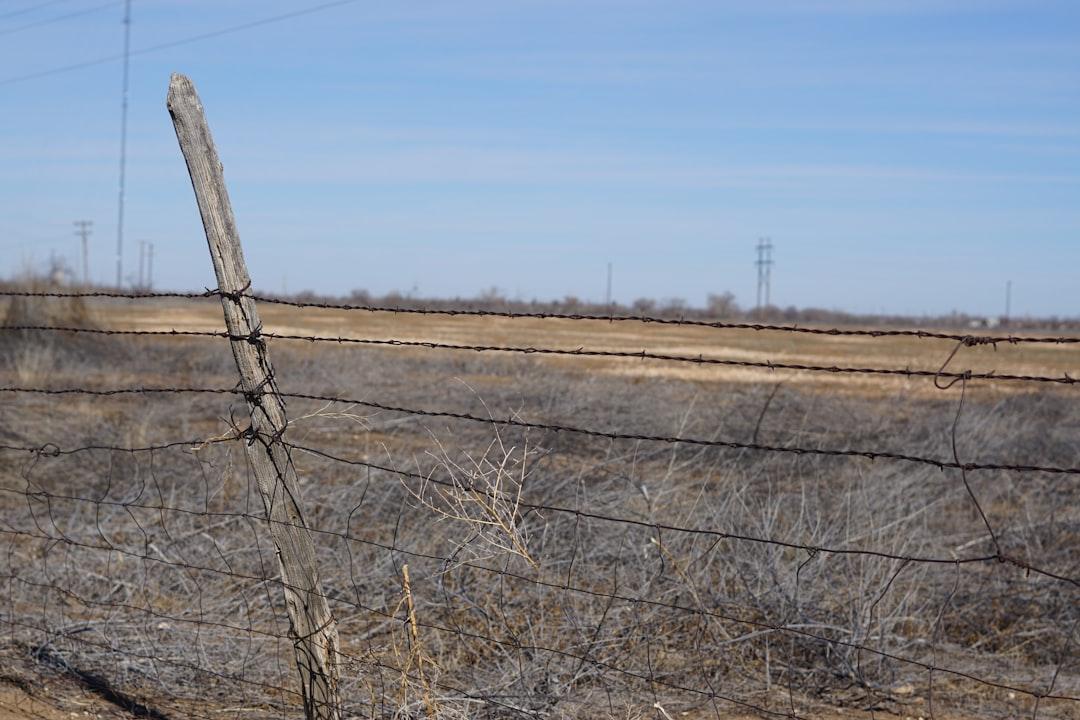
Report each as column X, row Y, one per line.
column 30, row 691
column 62, row 698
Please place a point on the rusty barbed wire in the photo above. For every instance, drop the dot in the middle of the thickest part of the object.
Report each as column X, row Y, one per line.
column 812, row 550
column 53, row 450
column 969, row 339
column 700, row 359
column 445, row 560
column 109, row 294
column 512, row 421
column 459, row 632
column 382, row 618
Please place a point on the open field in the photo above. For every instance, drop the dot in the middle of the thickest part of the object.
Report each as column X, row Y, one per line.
column 594, row 577
column 750, row 345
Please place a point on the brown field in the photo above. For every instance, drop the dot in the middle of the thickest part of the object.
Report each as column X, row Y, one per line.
column 749, row 345
column 152, row 569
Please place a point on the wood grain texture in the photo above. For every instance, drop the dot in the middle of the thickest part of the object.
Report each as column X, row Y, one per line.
column 312, row 627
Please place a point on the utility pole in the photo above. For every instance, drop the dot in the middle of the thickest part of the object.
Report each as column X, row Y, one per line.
column 607, row 295
column 150, row 268
column 142, row 262
column 84, row 231
column 1008, row 299
column 764, row 272
column 123, row 147
column 768, row 274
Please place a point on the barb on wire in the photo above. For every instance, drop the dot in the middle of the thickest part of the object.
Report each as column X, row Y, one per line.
column 716, row 324
column 963, row 473
column 813, row 550
column 647, row 319
column 53, row 450
column 586, row 432
column 459, row 632
column 109, row 294
column 998, row 556
column 532, row 647
column 700, row 359
column 498, row 572
column 43, row 653
column 115, row 531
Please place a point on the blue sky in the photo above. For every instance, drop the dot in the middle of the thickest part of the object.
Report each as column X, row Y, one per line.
column 906, row 156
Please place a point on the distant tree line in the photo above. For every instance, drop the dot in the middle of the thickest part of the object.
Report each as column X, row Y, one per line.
column 718, row 306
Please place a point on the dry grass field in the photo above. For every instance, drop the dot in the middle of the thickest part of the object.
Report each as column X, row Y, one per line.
column 744, row 345
column 606, row 578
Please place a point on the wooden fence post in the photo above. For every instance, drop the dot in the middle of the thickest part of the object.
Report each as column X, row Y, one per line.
column 313, row 628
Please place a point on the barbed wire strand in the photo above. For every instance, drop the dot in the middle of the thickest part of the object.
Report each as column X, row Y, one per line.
column 52, row 450
column 511, row 421
column 461, row 633
column 390, row 616
column 447, row 561
column 968, row 339
column 717, row 534
column 158, row 615
column 700, row 359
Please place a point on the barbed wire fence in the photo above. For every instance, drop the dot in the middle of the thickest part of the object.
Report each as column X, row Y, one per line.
column 498, row 574
column 63, row 519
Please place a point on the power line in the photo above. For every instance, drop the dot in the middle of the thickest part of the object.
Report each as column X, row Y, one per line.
column 175, row 43
column 31, row 9
column 59, row 18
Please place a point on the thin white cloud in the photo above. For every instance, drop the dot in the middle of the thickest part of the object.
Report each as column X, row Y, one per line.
column 417, row 156
column 482, row 165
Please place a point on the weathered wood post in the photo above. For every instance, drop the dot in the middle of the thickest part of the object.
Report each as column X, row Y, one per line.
column 313, row 628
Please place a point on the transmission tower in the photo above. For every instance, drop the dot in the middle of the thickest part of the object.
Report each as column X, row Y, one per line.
column 83, row 231
column 123, row 147
column 142, row 264
column 764, row 272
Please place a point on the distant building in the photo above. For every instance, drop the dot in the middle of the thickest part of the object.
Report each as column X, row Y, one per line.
column 986, row 322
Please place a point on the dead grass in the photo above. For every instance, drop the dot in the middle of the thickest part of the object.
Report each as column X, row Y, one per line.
column 508, row 600
column 915, row 353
